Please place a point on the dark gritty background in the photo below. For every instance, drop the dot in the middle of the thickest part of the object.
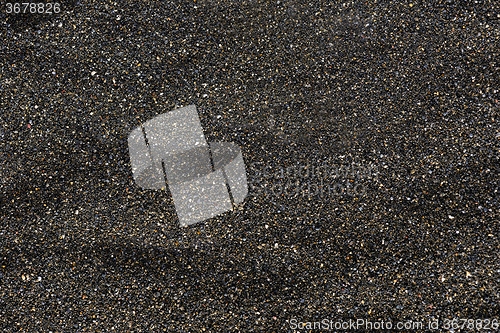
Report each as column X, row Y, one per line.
column 411, row 87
